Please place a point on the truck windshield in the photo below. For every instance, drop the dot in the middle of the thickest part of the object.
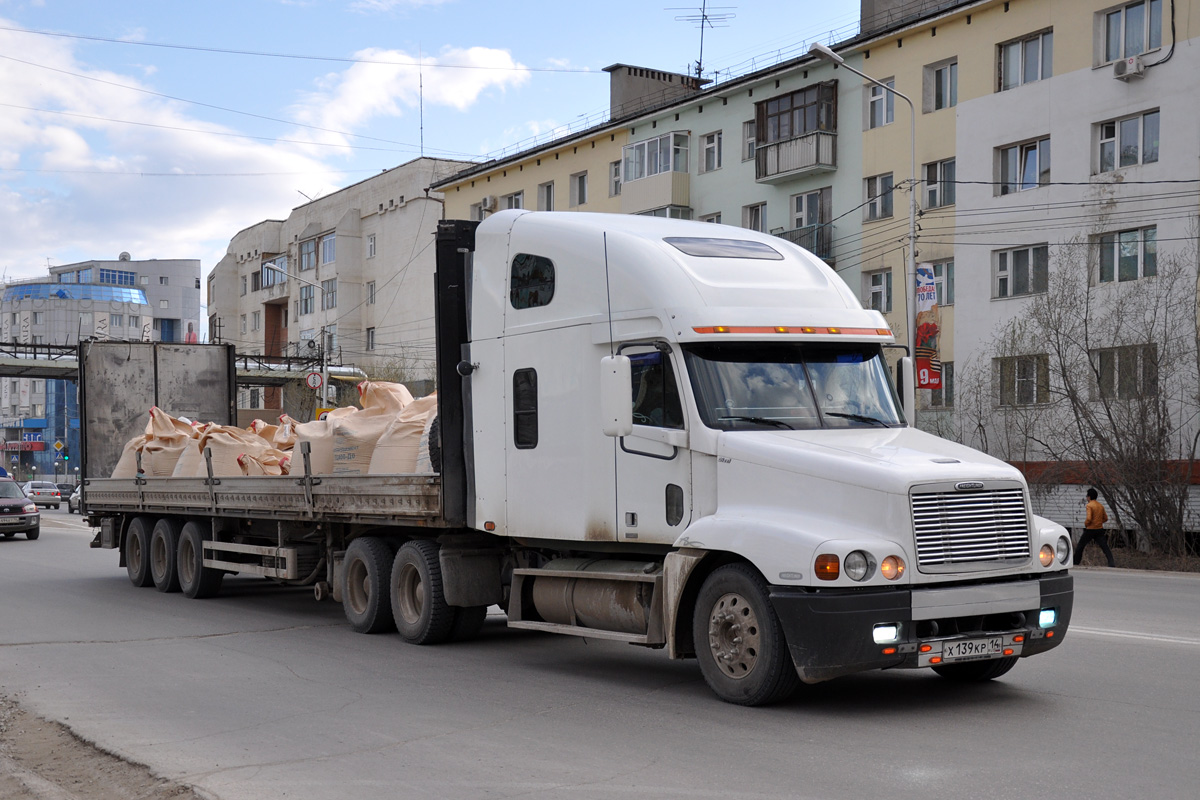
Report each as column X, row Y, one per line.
column 746, row 386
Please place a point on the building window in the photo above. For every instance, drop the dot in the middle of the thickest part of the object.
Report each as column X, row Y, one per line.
column 1024, row 166
column 879, row 197
column 35, row 409
column 476, row 211
column 754, row 217
column 939, row 184
column 1125, row 372
column 370, row 293
column 546, row 197
column 328, row 248
column 943, row 282
column 1128, row 142
column 514, row 200
column 331, row 333
column 118, row 277
column 307, row 303
column 714, row 218
column 164, row 304
column 370, row 339
column 329, row 294
column 144, row 279
column 614, row 179
column 256, row 280
column 941, row 86
column 162, row 280
column 1131, row 29
column 371, row 246
column 1021, row 271
column 1128, row 255
column 114, row 320
column 308, row 254
column 38, row 317
column 881, row 104
column 273, row 272
column 135, row 321
column 307, row 334
column 879, row 291
column 748, row 140
column 532, row 281
column 244, row 280
column 811, row 209
column 243, row 318
column 790, row 116
column 1023, row 380
column 1025, row 60
column 711, row 146
column 579, row 189
column 666, row 153
column 255, row 320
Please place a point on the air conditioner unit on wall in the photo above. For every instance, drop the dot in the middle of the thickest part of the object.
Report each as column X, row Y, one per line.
column 488, row 203
column 1129, row 68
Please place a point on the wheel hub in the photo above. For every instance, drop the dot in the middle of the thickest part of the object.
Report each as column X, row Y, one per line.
column 733, row 635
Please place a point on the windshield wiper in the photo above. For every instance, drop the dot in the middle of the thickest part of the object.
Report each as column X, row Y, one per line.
column 776, row 422
column 857, row 418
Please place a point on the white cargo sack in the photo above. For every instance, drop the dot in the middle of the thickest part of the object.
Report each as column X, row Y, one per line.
column 399, row 445
column 167, row 439
column 356, row 435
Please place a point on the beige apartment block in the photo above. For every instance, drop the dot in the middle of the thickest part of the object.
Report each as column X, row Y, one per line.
column 350, row 273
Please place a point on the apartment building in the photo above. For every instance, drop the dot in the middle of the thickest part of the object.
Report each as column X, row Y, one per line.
column 123, row 298
column 349, row 274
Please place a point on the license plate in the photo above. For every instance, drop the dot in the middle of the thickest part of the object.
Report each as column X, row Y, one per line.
column 972, row 649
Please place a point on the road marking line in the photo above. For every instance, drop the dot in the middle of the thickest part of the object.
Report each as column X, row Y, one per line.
column 1149, row 637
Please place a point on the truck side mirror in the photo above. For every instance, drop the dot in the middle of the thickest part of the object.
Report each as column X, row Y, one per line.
column 616, row 404
column 908, row 389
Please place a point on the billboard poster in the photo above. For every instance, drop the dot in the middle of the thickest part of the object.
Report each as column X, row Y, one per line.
column 928, row 363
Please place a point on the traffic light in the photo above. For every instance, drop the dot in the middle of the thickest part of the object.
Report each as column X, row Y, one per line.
column 66, row 454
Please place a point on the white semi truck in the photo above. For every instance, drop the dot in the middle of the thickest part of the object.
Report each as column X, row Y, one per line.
column 673, row 434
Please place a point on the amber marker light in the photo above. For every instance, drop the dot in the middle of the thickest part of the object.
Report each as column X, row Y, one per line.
column 935, row 660
column 489, row 526
column 1018, row 639
column 1008, row 651
column 889, row 651
column 828, row 567
column 892, row 567
column 925, row 648
column 1046, row 555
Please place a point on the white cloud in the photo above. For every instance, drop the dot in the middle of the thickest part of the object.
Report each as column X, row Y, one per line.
column 352, row 98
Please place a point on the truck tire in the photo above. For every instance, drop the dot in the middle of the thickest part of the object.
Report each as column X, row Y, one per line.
column 366, row 571
column 740, row 644
column 137, row 551
column 976, row 671
column 467, row 623
column 164, row 548
column 418, row 605
column 196, row 581
column 435, row 445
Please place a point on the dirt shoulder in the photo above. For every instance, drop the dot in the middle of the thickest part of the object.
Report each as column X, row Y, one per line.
column 43, row 760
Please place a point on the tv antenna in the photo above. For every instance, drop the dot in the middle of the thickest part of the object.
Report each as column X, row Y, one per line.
column 705, row 19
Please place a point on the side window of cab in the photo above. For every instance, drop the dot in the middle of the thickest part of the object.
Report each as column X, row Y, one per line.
column 655, row 392
column 532, row 281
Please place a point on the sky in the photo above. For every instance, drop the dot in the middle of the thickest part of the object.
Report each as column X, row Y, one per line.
column 163, row 128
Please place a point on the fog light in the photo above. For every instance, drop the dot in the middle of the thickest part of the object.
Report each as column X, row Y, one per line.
column 1047, row 618
column 892, row 567
column 886, row 633
column 859, row 566
column 828, row 568
column 1064, row 549
column 1046, row 555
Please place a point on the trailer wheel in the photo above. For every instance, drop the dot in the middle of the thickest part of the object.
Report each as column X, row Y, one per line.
column 422, row 616
column 976, row 671
column 164, row 546
column 739, row 642
column 195, row 580
column 137, row 551
column 365, row 585
column 467, row 623
column 435, row 444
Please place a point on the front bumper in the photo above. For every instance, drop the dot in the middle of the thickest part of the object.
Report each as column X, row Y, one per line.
column 830, row 632
column 19, row 523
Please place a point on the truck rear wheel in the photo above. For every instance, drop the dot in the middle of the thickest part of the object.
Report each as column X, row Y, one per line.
column 195, row 580
column 740, row 644
column 366, row 574
column 976, row 671
column 422, row 615
column 137, row 551
column 164, row 546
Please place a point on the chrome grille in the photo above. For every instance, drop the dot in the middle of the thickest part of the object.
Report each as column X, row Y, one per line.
column 970, row 527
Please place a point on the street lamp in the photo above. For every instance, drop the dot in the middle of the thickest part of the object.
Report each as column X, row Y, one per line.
column 323, row 394
column 910, row 282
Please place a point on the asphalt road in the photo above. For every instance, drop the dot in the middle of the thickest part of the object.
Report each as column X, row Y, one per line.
column 264, row 693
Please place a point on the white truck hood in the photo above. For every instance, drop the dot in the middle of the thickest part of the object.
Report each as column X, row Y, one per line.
column 886, row 459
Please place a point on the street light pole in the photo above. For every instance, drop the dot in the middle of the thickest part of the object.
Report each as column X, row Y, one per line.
column 910, row 282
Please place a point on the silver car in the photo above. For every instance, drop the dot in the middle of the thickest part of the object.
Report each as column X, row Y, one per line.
column 44, row 493
column 74, row 502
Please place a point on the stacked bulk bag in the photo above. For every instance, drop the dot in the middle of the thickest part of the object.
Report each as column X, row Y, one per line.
column 167, row 438
column 397, row 450
column 356, row 435
column 319, row 435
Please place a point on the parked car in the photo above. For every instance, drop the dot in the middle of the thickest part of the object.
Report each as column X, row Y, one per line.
column 65, row 489
column 18, row 514
column 74, row 502
column 44, row 493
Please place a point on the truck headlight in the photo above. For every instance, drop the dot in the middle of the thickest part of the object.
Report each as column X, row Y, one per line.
column 1064, row 549
column 886, row 633
column 859, row 566
column 1046, row 555
column 892, row 567
column 828, row 568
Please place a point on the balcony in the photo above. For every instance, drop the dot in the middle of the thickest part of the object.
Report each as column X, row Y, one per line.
column 816, row 239
column 779, row 161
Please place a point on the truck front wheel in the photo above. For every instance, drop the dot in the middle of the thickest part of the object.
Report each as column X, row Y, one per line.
column 739, row 642
column 366, row 575
column 976, row 671
column 422, row 615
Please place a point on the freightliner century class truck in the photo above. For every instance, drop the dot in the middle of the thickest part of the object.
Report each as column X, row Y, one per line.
column 673, row 434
